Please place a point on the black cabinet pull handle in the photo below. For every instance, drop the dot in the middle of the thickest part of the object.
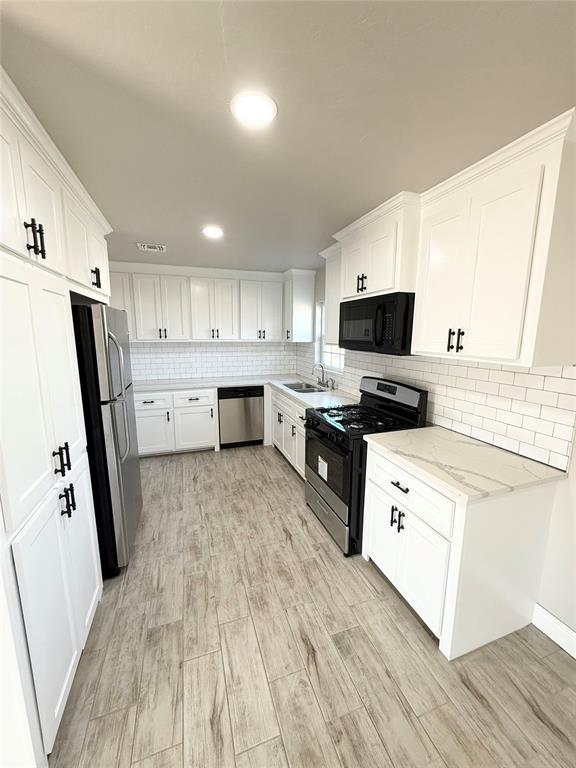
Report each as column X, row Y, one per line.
column 148, row 402
column 72, row 496
column 193, row 398
column 363, row 278
column 357, row 283
column 159, row 333
column 287, row 334
column 460, row 335
column 32, row 225
column 217, row 333
column 393, row 520
column 61, row 470
column 67, row 452
column 65, row 495
column 293, row 431
column 396, row 484
column 449, row 345
column 168, row 415
column 264, row 334
column 400, row 516
column 42, row 250
column 211, row 413
column 96, row 282
column 212, row 332
column 259, row 334
column 165, row 336
column 302, row 418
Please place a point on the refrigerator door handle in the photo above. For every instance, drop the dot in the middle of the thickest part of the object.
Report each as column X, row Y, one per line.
column 114, row 340
column 126, row 430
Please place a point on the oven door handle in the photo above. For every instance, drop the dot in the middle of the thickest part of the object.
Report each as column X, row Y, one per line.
column 313, row 434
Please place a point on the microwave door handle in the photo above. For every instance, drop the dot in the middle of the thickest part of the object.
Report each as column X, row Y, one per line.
column 379, row 317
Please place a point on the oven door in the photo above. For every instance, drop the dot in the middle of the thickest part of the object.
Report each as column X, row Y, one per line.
column 329, row 472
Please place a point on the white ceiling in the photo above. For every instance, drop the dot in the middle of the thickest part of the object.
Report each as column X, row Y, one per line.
column 373, row 98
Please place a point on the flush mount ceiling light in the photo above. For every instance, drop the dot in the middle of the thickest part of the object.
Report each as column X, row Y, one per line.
column 212, row 231
column 253, row 110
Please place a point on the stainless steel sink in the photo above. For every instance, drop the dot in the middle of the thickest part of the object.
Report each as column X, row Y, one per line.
column 300, row 386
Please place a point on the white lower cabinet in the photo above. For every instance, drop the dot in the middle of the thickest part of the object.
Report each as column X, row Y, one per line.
column 155, row 430
column 194, row 427
column 177, row 421
column 60, row 583
column 287, row 434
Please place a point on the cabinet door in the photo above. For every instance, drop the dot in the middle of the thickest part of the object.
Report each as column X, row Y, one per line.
column 76, row 240
column 332, row 301
column 289, row 438
column 58, row 363
column 277, row 427
column 271, row 317
column 201, row 306
column 353, row 265
column 423, row 570
column 26, row 443
column 176, row 308
column 445, row 276
column 225, row 309
column 194, row 427
column 155, row 430
column 299, row 459
column 386, row 544
column 381, row 244
column 98, row 258
column 288, row 310
column 44, row 585
column 504, row 217
column 43, row 202
column 147, row 307
column 12, row 209
column 82, row 553
column 121, row 296
column 250, row 296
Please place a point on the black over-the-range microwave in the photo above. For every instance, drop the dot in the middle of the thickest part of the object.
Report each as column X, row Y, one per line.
column 378, row 323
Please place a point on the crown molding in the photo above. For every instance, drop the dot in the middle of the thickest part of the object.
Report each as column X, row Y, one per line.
column 332, row 250
column 545, row 135
column 398, row 202
column 18, row 110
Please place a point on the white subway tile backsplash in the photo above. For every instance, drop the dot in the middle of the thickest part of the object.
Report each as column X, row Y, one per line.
column 567, row 401
column 565, row 386
column 542, row 397
column 558, row 415
column 553, row 444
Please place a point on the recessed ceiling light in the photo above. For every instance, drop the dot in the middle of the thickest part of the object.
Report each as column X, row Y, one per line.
column 253, row 110
column 212, row 231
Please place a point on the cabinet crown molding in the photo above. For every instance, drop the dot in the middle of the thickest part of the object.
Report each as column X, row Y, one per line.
column 396, row 203
column 333, row 250
column 19, row 111
column 552, row 131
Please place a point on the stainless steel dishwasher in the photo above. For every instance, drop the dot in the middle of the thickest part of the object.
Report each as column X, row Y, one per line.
column 241, row 411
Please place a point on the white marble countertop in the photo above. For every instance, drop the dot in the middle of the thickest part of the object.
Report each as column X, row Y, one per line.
column 460, row 465
column 310, row 399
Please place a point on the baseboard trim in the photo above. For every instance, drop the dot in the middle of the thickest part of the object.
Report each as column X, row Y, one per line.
column 555, row 629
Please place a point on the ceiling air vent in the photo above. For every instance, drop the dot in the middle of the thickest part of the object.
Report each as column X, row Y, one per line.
column 151, row 247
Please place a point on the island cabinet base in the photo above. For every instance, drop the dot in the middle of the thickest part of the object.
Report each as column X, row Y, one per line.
column 470, row 568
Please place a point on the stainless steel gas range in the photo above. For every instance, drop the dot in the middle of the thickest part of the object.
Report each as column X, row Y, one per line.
column 336, row 452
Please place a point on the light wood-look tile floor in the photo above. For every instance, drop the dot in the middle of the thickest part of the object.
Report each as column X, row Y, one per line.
column 240, row 637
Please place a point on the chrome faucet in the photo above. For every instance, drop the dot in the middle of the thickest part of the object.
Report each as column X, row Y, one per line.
column 322, row 381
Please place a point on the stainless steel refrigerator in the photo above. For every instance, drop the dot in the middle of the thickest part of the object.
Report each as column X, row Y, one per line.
column 108, row 399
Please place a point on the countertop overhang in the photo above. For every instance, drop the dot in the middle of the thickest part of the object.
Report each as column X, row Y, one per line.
column 458, row 465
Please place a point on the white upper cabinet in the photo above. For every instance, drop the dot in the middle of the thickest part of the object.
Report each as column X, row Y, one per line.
column 332, row 288
column 225, row 310
column 12, row 216
column 175, row 307
column 76, row 240
column 98, row 260
column 43, row 203
column 147, row 307
column 379, row 251
column 261, row 310
column 121, row 296
column 201, row 302
column 299, row 305
column 496, row 274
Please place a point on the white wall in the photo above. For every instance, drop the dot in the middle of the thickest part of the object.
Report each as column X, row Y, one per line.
column 197, row 360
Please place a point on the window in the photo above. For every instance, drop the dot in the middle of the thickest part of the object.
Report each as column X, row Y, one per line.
column 330, row 355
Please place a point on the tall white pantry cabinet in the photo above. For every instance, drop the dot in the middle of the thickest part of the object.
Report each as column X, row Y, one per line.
column 51, row 243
